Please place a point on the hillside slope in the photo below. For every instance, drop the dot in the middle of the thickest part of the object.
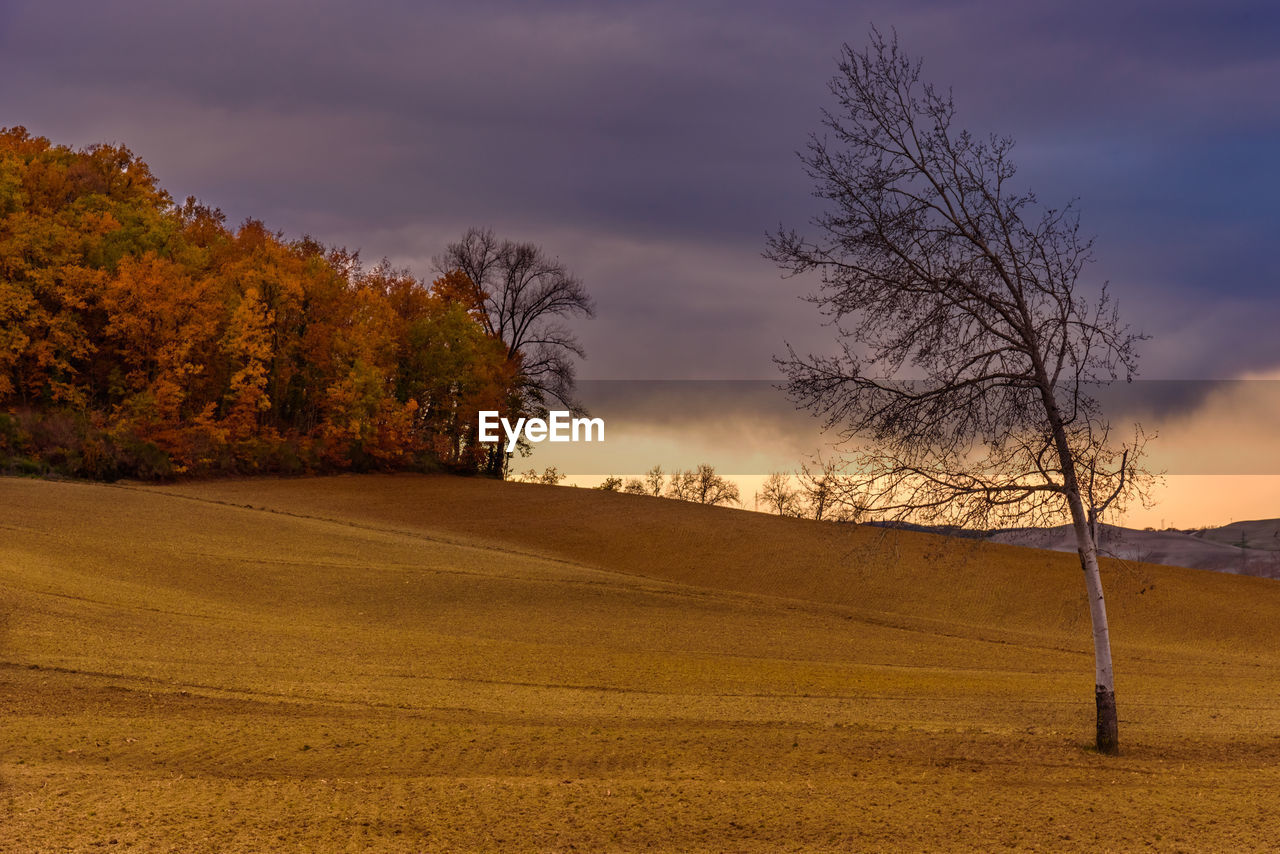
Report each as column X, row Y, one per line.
column 1254, row 534
column 406, row 663
column 913, row 576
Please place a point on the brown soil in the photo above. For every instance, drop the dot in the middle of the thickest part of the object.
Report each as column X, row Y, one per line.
column 438, row 664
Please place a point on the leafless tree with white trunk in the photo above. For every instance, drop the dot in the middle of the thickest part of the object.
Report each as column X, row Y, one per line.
column 968, row 344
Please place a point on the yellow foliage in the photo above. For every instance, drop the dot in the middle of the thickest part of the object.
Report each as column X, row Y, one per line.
column 220, row 349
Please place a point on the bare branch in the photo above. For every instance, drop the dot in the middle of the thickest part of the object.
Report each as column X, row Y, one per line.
column 967, row 351
column 526, row 294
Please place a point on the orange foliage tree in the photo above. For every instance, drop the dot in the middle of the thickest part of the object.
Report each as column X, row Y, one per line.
column 143, row 338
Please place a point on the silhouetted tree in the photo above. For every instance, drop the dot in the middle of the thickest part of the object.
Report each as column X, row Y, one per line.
column 779, row 496
column 654, row 480
column 826, row 494
column 702, row 485
column 968, row 349
column 550, row 476
column 527, row 296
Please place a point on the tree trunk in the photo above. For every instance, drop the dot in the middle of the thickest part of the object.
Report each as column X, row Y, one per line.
column 1108, row 736
column 1104, row 681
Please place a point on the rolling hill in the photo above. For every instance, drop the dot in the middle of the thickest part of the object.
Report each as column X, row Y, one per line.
column 1256, row 534
column 1217, row 549
column 410, row 663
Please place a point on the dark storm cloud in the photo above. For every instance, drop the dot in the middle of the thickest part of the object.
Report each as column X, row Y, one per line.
column 596, row 113
column 651, row 145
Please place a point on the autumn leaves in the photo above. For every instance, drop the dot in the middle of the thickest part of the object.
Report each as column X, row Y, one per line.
column 143, row 338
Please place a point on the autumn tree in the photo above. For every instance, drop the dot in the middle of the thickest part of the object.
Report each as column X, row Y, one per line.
column 66, row 218
column 141, row 337
column 454, row 369
column 968, row 344
column 160, row 323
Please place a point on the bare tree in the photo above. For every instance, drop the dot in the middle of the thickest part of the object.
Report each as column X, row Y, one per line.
column 967, row 348
column 527, row 296
column 825, row 493
column 550, row 476
column 654, row 479
column 650, row 484
column 702, row 485
column 779, row 496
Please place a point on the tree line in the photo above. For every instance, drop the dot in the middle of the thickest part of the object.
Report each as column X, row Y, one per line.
column 144, row 338
column 700, row 484
column 819, row 490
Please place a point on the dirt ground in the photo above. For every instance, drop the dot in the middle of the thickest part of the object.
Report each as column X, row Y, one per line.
column 434, row 664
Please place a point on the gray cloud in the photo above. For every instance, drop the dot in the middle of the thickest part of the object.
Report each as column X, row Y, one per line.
column 650, row 145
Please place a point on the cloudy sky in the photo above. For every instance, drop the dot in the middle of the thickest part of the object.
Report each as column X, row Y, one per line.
column 651, row 145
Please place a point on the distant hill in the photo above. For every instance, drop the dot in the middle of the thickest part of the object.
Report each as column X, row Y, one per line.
column 1260, row 535
column 1241, row 548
